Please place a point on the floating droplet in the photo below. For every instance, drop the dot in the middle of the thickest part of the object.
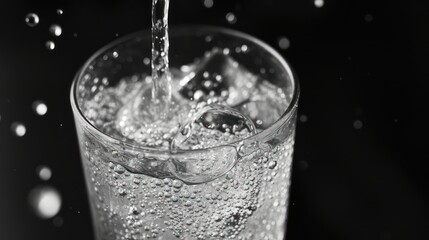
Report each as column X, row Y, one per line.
column 357, row 124
column 32, row 19
column 40, row 108
column 146, row 61
column 50, row 45
column 55, row 30
column 19, row 129
column 60, row 12
column 231, row 18
column 284, row 43
column 303, row 118
column 369, row 18
column 44, row 173
column 45, row 201
column 319, row 3
column 208, row 3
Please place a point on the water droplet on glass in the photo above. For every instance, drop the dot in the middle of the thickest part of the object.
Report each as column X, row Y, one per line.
column 231, row 18
column 208, row 3
column 319, row 3
column 19, row 129
column 44, row 173
column 50, row 45
column 357, row 124
column 32, row 19
column 45, row 201
column 284, row 43
column 40, row 108
column 60, row 12
column 55, row 30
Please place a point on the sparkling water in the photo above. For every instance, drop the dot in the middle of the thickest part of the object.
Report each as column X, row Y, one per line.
column 192, row 171
column 224, row 189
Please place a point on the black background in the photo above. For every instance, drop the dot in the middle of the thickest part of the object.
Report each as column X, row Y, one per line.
column 348, row 183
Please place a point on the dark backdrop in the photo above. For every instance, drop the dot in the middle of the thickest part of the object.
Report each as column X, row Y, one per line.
column 360, row 167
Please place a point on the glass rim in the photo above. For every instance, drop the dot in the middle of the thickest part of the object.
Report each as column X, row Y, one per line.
column 176, row 29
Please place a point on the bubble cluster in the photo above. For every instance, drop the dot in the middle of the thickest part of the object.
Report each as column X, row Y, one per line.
column 139, row 194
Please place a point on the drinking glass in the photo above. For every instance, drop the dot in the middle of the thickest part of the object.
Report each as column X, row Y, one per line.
column 238, row 190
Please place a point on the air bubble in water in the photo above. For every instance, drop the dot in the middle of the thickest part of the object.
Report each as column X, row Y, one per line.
column 50, row 45
column 60, row 12
column 55, row 30
column 44, row 173
column 32, row 19
column 231, row 18
column 40, row 108
column 208, row 3
column 19, row 129
column 319, row 3
column 45, row 201
column 284, row 43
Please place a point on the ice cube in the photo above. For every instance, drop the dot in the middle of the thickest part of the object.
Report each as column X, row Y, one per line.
column 218, row 74
column 213, row 125
column 266, row 105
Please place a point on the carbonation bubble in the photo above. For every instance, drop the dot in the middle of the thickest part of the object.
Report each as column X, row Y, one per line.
column 284, row 43
column 319, row 3
column 60, row 12
column 208, row 3
column 50, row 45
column 45, row 201
column 231, row 18
column 32, row 19
column 44, row 173
column 19, row 129
column 55, row 30
column 40, row 108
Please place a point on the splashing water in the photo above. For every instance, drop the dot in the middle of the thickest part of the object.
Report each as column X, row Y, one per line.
column 32, row 19
column 55, row 30
column 45, row 201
